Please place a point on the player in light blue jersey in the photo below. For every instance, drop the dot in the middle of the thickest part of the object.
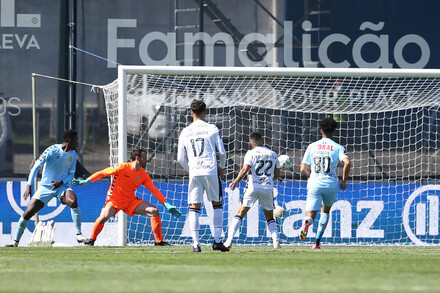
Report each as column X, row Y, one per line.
column 59, row 161
column 319, row 166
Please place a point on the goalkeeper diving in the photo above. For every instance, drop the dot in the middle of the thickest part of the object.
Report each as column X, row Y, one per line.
column 127, row 177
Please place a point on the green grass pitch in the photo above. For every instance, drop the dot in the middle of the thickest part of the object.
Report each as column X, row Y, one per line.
column 244, row 269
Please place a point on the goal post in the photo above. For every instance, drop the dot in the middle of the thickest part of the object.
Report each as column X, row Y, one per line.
column 388, row 120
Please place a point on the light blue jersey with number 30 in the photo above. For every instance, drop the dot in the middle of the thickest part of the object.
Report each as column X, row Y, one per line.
column 323, row 157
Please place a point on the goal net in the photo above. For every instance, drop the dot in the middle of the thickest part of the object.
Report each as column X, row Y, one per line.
column 388, row 120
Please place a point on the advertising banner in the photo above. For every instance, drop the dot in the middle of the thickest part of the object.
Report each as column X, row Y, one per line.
column 366, row 213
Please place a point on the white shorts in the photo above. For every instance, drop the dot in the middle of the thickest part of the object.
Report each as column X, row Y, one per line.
column 209, row 184
column 251, row 195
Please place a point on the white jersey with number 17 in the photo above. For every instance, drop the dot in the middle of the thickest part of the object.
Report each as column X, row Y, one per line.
column 323, row 157
column 198, row 144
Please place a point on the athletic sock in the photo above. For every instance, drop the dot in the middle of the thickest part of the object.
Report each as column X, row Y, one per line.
column 273, row 230
column 22, row 224
column 97, row 228
column 156, row 226
column 218, row 223
column 307, row 218
column 323, row 221
column 194, row 225
column 235, row 224
column 76, row 218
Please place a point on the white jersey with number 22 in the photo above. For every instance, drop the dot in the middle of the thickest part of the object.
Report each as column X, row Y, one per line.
column 263, row 162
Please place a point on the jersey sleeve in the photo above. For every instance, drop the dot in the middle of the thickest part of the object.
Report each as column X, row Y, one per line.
column 71, row 172
column 342, row 153
column 104, row 173
column 45, row 156
column 247, row 159
column 306, row 159
column 148, row 183
column 277, row 163
column 221, row 150
column 181, row 153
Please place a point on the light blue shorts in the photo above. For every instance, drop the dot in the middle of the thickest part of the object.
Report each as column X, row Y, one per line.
column 44, row 193
column 317, row 196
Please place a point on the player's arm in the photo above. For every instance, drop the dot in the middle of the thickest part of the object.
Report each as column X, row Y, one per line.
column 96, row 176
column 34, row 171
column 181, row 154
column 305, row 164
column 305, row 170
column 156, row 192
column 345, row 173
column 221, row 154
column 240, row 176
column 277, row 173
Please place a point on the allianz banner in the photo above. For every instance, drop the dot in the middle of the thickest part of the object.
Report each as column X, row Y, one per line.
column 366, row 213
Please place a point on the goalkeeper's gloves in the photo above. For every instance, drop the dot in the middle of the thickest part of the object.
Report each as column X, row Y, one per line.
column 81, row 182
column 172, row 209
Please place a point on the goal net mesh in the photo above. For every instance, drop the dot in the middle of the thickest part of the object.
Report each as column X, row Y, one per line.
column 389, row 126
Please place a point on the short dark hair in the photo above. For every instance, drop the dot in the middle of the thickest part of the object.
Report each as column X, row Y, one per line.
column 328, row 125
column 136, row 153
column 256, row 137
column 198, row 107
column 69, row 134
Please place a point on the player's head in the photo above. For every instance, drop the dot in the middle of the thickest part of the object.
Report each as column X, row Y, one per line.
column 141, row 155
column 198, row 108
column 328, row 126
column 70, row 138
column 256, row 139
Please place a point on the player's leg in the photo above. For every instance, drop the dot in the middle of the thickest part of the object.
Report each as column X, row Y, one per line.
column 214, row 193
column 218, row 226
column 69, row 198
column 246, row 202
column 273, row 227
column 32, row 208
column 194, row 225
column 147, row 209
column 313, row 203
column 195, row 199
column 235, row 224
column 328, row 200
column 268, row 205
column 106, row 213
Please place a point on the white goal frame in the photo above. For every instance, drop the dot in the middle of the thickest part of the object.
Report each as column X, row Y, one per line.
column 123, row 71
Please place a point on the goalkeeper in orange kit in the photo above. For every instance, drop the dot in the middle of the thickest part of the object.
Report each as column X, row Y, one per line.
column 127, row 177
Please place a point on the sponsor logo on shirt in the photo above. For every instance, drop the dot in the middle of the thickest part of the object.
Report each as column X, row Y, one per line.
column 325, row 147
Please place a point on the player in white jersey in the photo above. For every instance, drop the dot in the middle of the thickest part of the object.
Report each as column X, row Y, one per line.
column 319, row 166
column 59, row 162
column 198, row 145
column 264, row 166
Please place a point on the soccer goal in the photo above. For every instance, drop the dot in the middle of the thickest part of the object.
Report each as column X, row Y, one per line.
column 388, row 119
